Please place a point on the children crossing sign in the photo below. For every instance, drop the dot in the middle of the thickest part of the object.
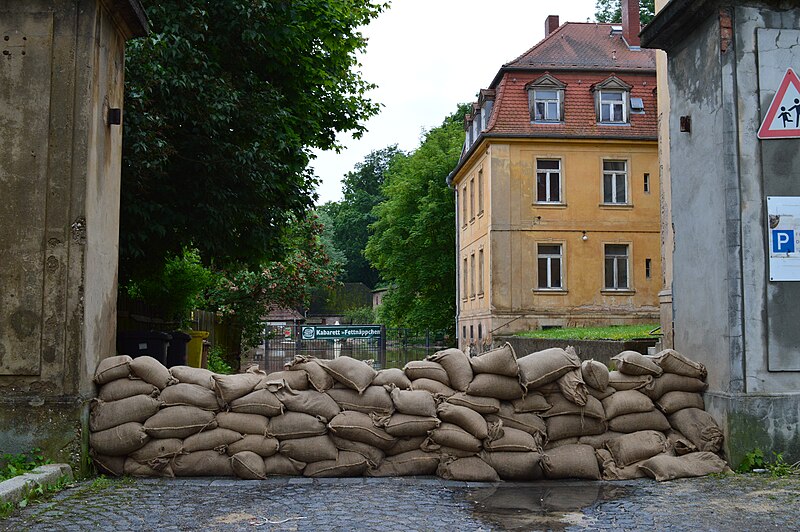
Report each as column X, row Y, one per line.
column 782, row 120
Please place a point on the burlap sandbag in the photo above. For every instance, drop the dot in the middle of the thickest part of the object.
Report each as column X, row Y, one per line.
column 309, row 402
column 671, row 402
column 393, row 376
column 113, row 368
column 291, row 425
column 627, row 423
column 450, row 435
column 597, row 394
column 514, row 440
column 698, row 427
column 312, row 449
column 636, row 446
column 243, row 423
column 620, row 381
column 472, row 469
column 296, row 379
column 347, row 464
column 595, row 374
column 124, row 388
column 673, row 362
column 106, row 415
column 679, row 444
column 598, row 441
column 571, row 461
column 626, row 402
column 432, row 386
column 529, row 422
column 185, row 394
column 211, row 440
column 560, row 427
column 411, row 463
column 354, row 374
column 319, row 379
column 374, row 399
column 464, row 417
column 404, row 445
column 248, row 466
column 430, row 446
column 546, row 366
column 635, row 363
column 231, row 387
column 151, row 370
column 413, row 402
column 572, row 387
column 554, row 444
column 120, row 440
column 670, row 382
column 261, row 402
column 426, row 369
column 373, row 455
column 202, row 464
column 613, row 471
column 499, row 361
column 133, row 468
column 158, row 449
column 457, row 366
column 532, row 402
column 189, row 375
column 264, row 446
column 562, row 406
column 109, row 465
column 664, row 467
column 497, row 386
column 357, row 426
column 515, row 466
column 179, row 422
column 283, row 466
column 482, row 405
column 406, row 426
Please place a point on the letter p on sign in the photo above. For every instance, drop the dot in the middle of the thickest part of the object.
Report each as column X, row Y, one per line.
column 782, row 241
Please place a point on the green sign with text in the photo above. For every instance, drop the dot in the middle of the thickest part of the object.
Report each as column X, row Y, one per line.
column 339, row 332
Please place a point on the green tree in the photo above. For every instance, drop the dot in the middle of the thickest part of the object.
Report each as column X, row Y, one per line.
column 610, row 11
column 351, row 217
column 413, row 240
column 224, row 102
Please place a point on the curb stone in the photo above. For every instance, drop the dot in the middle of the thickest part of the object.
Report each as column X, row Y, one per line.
column 14, row 489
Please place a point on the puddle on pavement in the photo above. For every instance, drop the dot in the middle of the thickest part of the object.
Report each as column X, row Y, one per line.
column 539, row 506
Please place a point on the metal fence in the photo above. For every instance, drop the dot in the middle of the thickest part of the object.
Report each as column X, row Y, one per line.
column 393, row 349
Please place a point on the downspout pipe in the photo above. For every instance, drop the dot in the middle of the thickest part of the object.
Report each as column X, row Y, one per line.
column 449, row 182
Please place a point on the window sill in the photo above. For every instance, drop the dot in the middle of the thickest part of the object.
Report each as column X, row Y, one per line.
column 472, row 220
column 547, row 122
column 550, row 204
column 621, row 206
column 550, row 291
column 480, row 214
column 614, row 124
column 618, row 291
column 472, row 298
column 480, row 296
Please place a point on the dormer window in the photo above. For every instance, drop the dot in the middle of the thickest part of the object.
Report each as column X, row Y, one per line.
column 612, row 100
column 546, row 99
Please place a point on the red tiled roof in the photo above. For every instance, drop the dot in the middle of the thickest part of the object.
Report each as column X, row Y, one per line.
column 584, row 46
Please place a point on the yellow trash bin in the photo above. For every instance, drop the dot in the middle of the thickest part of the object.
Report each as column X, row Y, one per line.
column 194, row 353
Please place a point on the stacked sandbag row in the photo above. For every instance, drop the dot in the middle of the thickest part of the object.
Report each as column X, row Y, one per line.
column 484, row 418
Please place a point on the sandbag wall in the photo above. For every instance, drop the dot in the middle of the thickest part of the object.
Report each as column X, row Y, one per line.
column 486, row 418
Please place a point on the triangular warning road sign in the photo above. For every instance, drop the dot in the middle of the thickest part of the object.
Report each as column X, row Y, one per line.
column 783, row 116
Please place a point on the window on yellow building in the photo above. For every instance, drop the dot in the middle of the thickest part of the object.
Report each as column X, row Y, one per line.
column 549, row 268
column 615, row 182
column 471, row 199
column 546, row 99
column 464, row 206
column 480, row 272
column 616, row 265
column 472, row 275
column 612, row 101
column 464, row 285
column 480, row 191
column 548, row 180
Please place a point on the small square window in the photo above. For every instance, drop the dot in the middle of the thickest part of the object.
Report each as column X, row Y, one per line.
column 637, row 105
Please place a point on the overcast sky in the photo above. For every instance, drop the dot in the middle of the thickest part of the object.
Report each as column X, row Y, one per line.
column 427, row 56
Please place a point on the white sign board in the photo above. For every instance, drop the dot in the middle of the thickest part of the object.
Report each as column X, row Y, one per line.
column 784, row 238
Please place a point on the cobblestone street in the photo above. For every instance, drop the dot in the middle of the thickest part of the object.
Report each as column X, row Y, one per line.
column 737, row 502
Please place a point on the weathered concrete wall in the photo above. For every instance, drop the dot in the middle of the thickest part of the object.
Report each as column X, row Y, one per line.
column 600, row 350
column 61, row 70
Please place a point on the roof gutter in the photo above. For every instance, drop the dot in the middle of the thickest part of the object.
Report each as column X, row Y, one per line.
column 557, row 68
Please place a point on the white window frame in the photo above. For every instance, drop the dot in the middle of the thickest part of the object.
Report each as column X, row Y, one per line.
column 614, row 175
column 548, row 259
column 546, row 117
column 550, row 173
column 617, row 259
column 481, row 265
column 611, row 104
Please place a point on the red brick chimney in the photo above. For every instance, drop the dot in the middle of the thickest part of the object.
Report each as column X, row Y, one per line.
column 550, row 24
column 630, row 22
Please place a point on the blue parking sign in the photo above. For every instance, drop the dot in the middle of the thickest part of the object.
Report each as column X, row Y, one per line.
column 782, row 241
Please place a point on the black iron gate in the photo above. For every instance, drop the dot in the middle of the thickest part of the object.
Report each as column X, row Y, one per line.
column 385, row 347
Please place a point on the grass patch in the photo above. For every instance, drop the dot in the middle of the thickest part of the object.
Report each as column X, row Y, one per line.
column 14, row 465
column 611, row 332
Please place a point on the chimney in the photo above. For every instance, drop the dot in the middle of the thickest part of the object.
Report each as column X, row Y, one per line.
column 550, row 25
column 630, row 22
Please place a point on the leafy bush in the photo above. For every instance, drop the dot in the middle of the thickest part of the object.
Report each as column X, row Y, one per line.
column 216, row 361
column 19, row 464
column 361, row 315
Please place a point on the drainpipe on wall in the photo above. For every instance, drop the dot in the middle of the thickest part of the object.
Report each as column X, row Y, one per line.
column 449, row 182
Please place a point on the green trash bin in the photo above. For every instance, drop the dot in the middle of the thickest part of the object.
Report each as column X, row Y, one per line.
column 194, row 354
